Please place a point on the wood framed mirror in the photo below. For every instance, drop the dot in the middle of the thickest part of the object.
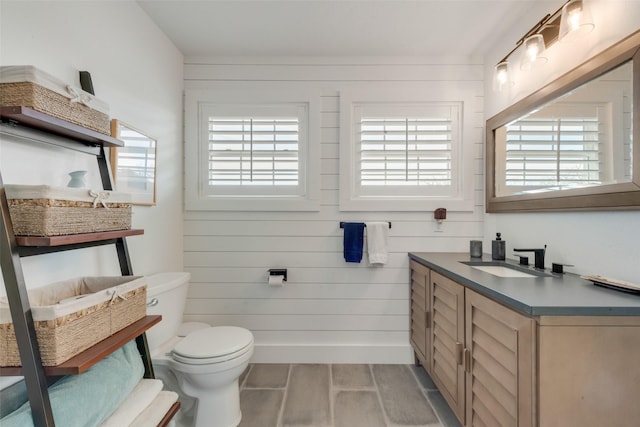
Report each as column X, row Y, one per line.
column 574, row 144
column 134, row 164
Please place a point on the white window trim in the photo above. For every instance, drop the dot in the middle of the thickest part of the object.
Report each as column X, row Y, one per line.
column 196, row 144
column 461, row 198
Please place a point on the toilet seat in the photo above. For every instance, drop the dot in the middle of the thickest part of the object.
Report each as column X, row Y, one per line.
column 213, row 345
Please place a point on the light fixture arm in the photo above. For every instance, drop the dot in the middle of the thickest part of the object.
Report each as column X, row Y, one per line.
column 534, row 30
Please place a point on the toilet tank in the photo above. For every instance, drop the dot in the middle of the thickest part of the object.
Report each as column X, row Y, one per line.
column 166, row 295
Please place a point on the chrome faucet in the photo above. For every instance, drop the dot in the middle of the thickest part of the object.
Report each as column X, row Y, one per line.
column 539, row 254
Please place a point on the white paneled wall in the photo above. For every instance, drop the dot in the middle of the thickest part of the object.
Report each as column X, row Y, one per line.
column 329, row 310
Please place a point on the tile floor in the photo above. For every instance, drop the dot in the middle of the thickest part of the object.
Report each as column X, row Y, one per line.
column 280, row 395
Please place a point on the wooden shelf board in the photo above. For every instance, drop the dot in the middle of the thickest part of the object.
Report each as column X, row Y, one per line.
column 36, row 119
column 71, row 239
column 86, row 359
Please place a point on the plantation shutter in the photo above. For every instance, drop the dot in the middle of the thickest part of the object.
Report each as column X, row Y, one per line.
column 553, row 152
column 254, row 151
column 413, row 151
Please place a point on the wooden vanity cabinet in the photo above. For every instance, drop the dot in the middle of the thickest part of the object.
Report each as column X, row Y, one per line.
column 420, row 314
column 481, row 356
column 500, row 354
column 447, row 341
column 589, row 374
column 496, row 366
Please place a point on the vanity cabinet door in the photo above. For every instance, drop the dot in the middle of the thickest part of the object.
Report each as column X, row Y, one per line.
column 589, row 372
column 420, row 313
column 447, row 341
column 500, row 353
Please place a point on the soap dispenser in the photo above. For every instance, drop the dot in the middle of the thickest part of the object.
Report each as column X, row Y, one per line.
column 498, row 248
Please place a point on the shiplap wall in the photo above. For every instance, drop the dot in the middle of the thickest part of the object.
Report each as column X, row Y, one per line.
column 329, row 311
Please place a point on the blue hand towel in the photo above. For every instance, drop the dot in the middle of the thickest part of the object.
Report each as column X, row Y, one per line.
column 353, row 241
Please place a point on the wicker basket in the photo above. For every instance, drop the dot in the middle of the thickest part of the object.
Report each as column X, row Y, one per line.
column 41, row 210
column 73, row 315
column 27, row 86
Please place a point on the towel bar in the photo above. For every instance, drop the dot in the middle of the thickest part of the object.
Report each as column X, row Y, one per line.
column 342, row 224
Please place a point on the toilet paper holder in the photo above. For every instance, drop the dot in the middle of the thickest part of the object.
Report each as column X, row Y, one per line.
column 278, row 272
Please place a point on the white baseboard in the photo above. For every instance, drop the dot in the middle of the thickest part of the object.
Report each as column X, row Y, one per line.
column 367, row 354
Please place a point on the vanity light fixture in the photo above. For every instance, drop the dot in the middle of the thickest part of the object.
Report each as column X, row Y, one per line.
column 570, row 21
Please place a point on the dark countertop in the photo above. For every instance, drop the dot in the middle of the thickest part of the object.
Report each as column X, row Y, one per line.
column 552, row 295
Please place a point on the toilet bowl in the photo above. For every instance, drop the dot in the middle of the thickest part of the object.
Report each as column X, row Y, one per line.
column 200, row 362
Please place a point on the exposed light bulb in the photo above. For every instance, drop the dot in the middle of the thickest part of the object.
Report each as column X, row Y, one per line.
column 575, row 20
column 501, row 77
column 532, row 52
column 534, row 47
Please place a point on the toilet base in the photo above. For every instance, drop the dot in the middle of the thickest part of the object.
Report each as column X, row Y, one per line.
column 186, row 415
column 221, row 409
column 217, row 392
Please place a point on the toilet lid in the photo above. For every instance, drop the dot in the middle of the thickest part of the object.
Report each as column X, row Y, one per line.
column 213, row 344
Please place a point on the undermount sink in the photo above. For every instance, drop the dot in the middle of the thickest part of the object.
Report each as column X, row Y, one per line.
column 502, row 269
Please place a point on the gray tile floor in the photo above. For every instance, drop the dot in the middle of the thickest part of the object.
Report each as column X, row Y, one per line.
column 279, row 395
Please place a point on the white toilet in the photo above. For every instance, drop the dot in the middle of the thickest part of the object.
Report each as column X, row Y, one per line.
column 196, row 359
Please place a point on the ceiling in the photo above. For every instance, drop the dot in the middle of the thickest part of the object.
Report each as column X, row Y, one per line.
column 269, row 28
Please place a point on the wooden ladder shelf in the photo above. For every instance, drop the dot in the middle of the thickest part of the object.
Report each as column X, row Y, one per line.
column 32, row 126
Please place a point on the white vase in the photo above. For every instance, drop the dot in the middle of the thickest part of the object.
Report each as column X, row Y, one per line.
column 77, row 179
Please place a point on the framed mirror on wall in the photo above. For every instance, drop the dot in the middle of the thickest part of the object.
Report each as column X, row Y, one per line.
column 134, row 164
column 574, row 144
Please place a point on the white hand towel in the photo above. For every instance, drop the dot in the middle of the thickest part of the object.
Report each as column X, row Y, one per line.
column 138, row 400
column 155, row 412
column 377, row 238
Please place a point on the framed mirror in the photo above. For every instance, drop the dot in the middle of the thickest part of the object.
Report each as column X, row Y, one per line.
column 134, row 164
column 574, row 144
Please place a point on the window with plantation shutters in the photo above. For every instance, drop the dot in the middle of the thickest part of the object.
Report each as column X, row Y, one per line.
column 255, row 150
column 406, row 150
column 402, row 150
column 557, row 152
column 252, row 149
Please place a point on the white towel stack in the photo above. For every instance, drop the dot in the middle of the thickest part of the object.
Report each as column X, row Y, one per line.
column 377, row 240
column 145, row 406
column 154, row 413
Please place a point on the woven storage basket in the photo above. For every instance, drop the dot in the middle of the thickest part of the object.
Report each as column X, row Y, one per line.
column 73, row 315
column 41, row 210
column 26, row 86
